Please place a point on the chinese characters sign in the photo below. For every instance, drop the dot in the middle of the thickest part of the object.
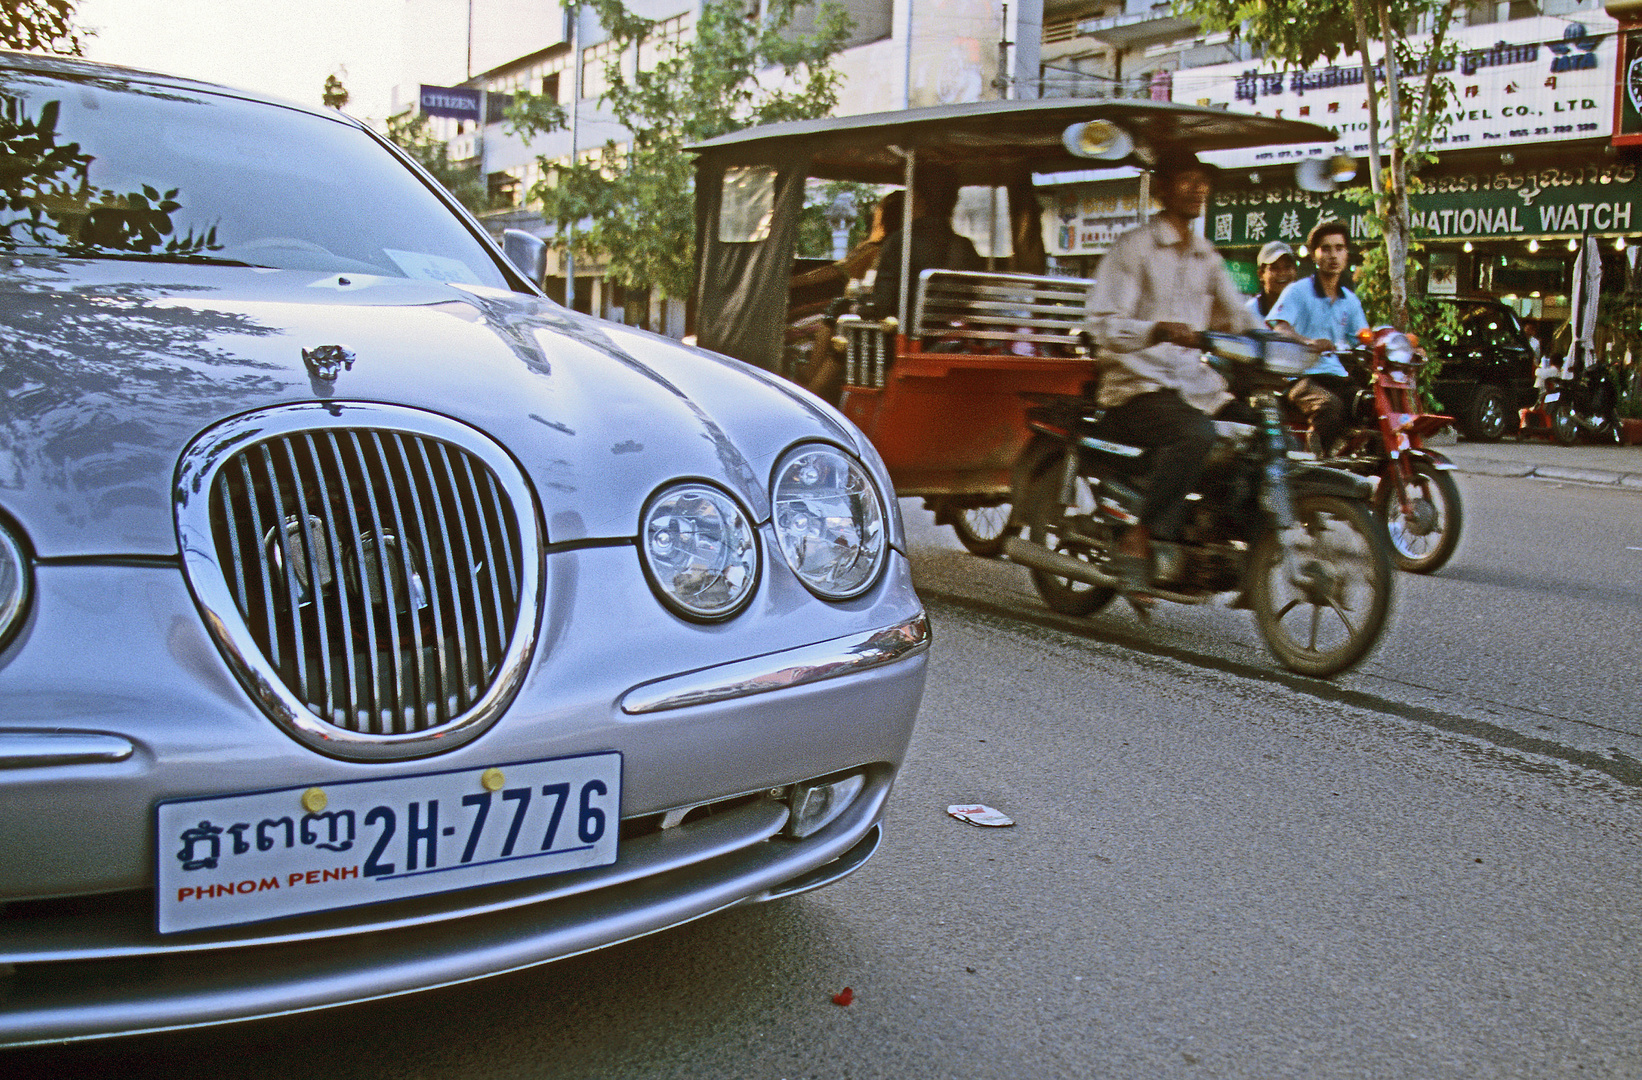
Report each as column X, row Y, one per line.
column 1553, row 81
column 1474, row 206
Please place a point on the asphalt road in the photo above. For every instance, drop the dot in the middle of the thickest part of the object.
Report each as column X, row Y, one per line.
column 1531, row 636
column 1215, row 871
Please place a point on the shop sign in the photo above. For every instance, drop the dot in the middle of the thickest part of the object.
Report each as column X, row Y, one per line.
column 1471, row 206
column 1629, row 130
column 456, row 102
column 1553, row 81
column 1088, row 217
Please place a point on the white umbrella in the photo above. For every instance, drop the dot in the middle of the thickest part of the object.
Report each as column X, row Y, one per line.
column 1587, row 293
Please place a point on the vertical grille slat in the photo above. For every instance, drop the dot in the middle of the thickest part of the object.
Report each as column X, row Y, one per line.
column 301, row 479
column 349, row 696
column 433, row 586
column 258, row 550
column 397, row 555
column 376, row 570
column 460, row 585
column 274, row 542
column 482, row 510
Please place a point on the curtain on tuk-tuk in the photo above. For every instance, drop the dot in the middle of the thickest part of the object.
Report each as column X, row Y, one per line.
column 746, row 231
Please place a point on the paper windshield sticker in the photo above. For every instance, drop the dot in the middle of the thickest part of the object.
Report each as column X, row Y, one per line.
column 425, row 267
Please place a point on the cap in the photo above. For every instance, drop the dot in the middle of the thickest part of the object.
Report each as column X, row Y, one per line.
column 1273, row 251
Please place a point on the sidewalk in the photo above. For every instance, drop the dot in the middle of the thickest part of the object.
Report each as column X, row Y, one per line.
column 1542, row 459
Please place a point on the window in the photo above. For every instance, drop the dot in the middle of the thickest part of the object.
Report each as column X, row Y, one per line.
column 746, row 204
column 550, row 86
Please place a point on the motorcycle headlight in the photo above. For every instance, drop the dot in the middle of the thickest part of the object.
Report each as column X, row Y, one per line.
column 700, row 551
column 829, row 521
column 14, row 583
column 1399, row 350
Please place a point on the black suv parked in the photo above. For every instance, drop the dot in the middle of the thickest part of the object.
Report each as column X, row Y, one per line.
column 1488, row 372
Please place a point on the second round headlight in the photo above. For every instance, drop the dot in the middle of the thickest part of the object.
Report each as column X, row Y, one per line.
column 829, row 521
column 700, row 550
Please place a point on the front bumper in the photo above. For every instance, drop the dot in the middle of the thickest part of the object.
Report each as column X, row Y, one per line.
column 157, row 716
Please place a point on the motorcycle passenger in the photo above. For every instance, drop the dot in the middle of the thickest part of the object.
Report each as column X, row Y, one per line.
column 1157, row 286
column 1327, row 315
column 1276, row 269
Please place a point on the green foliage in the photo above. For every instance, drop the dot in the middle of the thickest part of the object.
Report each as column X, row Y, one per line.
column 634, row 205
column 334, row 95
column 41, row 26
column 410, row 131
column 1427, row 319
column 815, row 234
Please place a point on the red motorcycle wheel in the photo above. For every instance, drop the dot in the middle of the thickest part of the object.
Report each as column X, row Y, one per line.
column 1424, row 538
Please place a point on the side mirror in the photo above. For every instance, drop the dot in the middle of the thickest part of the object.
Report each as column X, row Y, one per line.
column 1098, row 139
column 527, row 253
column 1324, row 174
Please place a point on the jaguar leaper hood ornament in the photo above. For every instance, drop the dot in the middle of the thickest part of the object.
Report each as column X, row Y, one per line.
column 327, row 361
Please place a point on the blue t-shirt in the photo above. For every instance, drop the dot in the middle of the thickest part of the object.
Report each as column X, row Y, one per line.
column 1313, row 315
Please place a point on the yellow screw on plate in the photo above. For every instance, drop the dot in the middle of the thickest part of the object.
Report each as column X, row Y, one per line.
column 492, row 779
column 314, row 800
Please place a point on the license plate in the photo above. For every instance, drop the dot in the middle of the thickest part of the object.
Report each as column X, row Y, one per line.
column 230, row 859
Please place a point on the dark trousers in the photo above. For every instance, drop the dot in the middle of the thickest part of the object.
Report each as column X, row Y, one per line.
column 1180, row 439
column 1321, row 399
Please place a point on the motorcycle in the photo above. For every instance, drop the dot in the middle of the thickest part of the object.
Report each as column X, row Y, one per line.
column 1298, row 540
column 1415, row 493
column 1586, row 404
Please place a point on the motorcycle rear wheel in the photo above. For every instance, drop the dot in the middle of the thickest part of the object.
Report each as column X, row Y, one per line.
column 1421, row 547
column 1330, row 617
column 1049, row 523
column 1564, row 427
column 981, row 529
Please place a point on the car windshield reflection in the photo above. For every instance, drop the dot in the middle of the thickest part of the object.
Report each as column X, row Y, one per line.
column 106, row 168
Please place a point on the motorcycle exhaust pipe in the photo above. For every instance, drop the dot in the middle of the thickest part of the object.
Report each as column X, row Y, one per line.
column 1039, row 557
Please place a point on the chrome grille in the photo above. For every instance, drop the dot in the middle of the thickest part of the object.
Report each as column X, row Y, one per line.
column 380, row 574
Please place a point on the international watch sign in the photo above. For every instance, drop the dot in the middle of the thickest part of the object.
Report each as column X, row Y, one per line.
column 1553, row 80
column 1509, row 204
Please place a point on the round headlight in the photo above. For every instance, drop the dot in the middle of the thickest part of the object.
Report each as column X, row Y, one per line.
column 700, row 551
column 14, row 584
column 1399, row 350
column 829, row 521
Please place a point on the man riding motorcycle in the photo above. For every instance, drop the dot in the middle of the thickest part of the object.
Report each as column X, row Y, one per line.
column 1159, row 285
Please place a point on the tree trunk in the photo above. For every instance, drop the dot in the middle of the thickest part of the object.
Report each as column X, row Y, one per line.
column 1374, row 166
column 1396, row 210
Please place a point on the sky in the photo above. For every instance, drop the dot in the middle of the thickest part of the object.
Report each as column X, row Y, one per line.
column 285, row 48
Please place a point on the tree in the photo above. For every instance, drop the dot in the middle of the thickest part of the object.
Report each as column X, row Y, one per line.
column 335, row 95
column 410, row 131
column 1300, row 32
column 40, row 26
column 633, row 204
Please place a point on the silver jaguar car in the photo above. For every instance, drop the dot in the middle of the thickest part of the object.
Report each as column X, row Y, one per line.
column 368, row 622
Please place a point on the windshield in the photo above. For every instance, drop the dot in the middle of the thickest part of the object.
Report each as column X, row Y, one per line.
column 107, row 168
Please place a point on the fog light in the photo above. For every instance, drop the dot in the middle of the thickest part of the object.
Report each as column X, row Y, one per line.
column 816, row 805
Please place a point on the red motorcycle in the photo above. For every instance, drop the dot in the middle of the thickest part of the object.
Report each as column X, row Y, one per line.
column 1416, row 494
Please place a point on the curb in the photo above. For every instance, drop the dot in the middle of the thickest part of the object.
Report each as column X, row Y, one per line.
column 1489, row 467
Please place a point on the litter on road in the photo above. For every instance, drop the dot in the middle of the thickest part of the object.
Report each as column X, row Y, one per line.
column 977, row 814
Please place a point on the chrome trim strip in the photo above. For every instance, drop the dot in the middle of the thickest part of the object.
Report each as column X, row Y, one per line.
column 40, row 749
column 782, row 670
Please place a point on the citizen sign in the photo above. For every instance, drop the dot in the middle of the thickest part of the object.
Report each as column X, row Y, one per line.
column 457, row 102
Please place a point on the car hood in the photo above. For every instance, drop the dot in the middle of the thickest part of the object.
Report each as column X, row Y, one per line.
column 110, row 368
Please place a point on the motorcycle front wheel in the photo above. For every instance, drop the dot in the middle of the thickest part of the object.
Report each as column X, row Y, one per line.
column 1065, row 529
column 1322, row 613
column 1422, row 539
column 980, row 529
column 1564, row 426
